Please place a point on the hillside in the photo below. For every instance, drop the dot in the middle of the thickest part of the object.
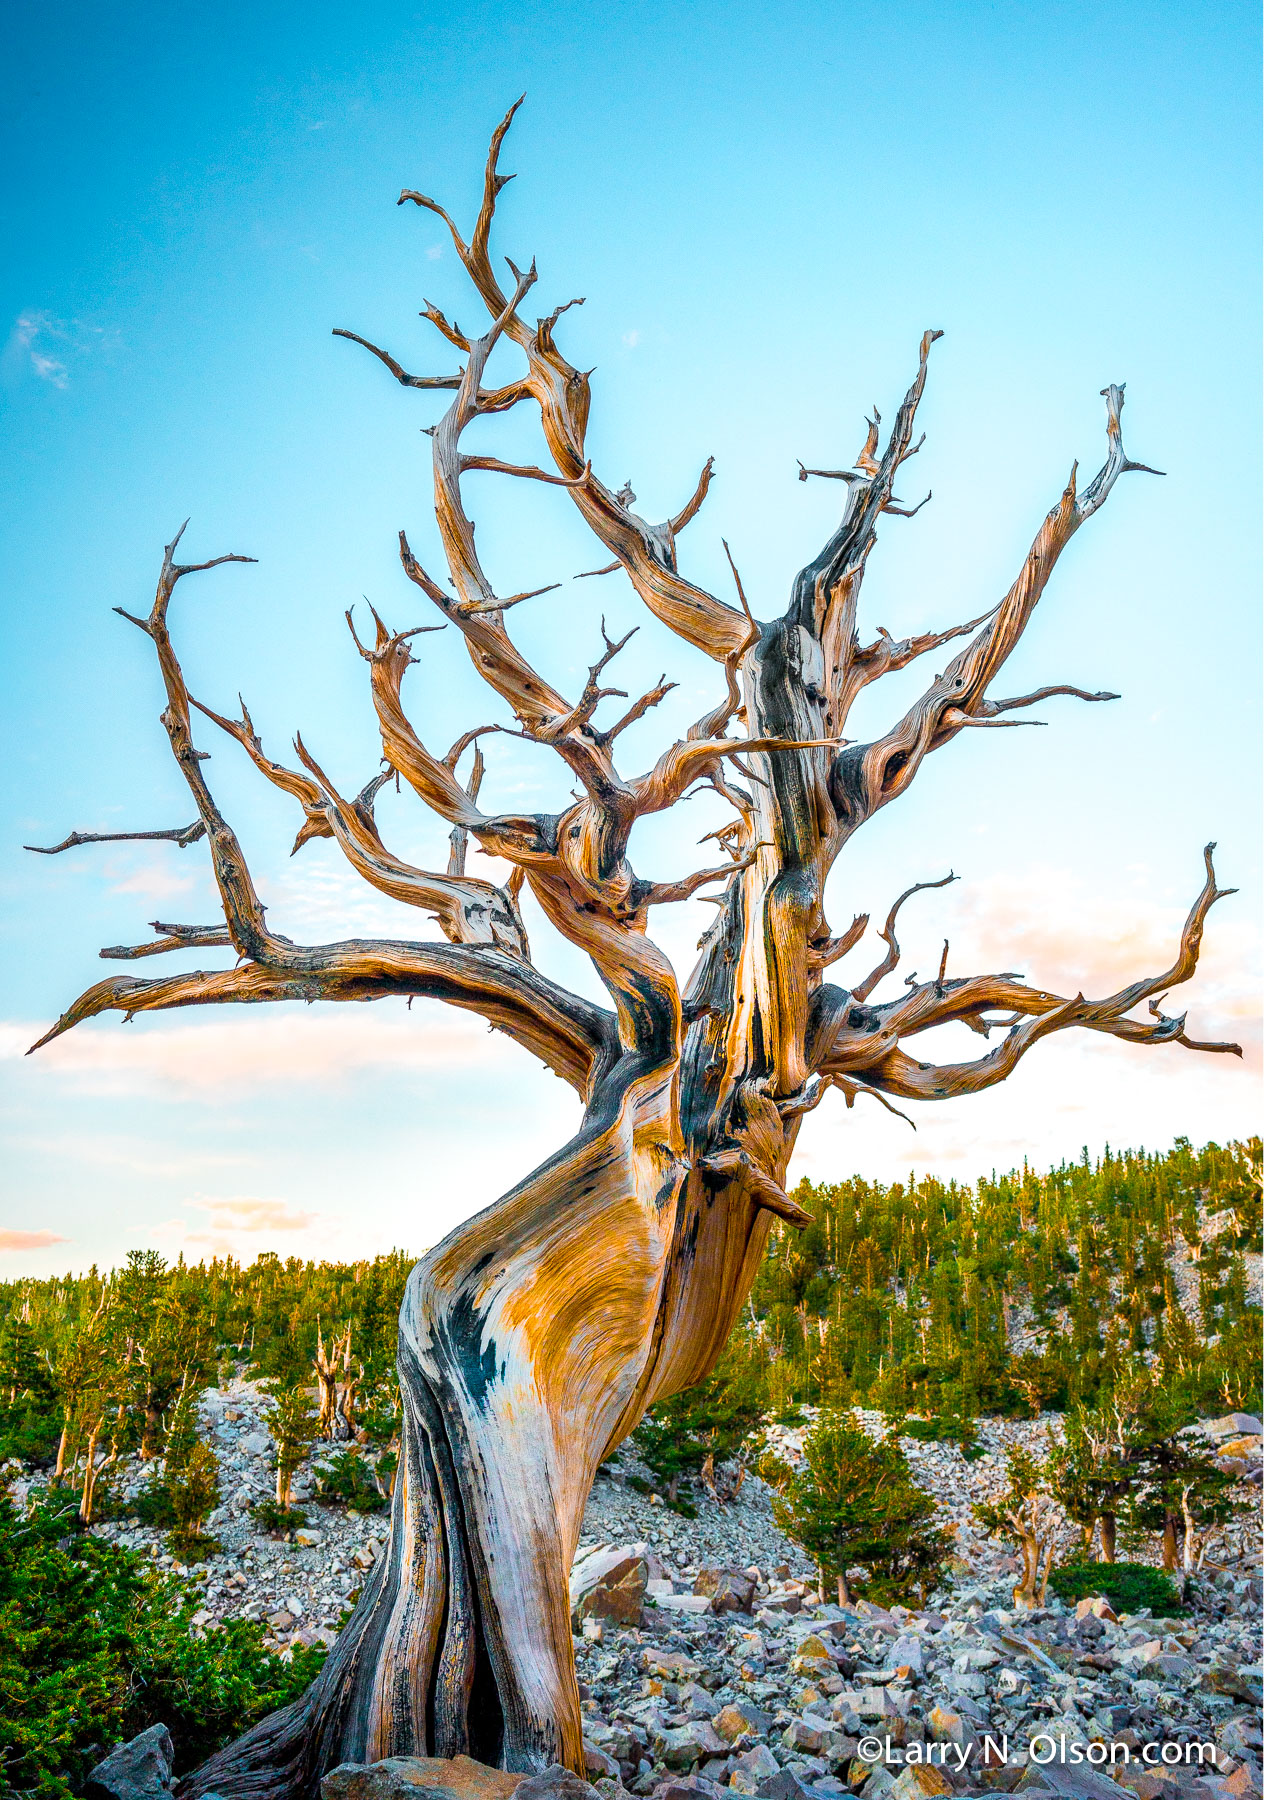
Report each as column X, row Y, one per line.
column 209, row 1451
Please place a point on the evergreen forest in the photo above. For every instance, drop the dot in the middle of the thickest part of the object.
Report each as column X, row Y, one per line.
column 1021, row 1293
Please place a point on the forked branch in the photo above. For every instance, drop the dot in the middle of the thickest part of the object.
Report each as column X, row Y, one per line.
column 865, row 1041
column 867, row 777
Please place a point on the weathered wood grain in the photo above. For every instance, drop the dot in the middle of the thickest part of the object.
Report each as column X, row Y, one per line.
column 535, row 1336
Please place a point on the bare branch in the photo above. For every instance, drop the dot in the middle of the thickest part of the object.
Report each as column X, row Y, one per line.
column 908, row 512
column 184, row 835
column 243, row 910
column 820, row 1085
column 573, row 1037
column 429, row 776
column 315, row 824
column 885, row 655
column 405, row 380
column 452, row 331
column 664, row 892
column 696, row 759
column 867, row 777
column 174, row 937
column 639, row 708
column 468, row 911
column 890, row 961
column 500, row 606
column 821, row 955
column 528, row 472
column 763, row 1190
column 592, row 696
column 676, row 524
column 851, row 1038
column 988, row 709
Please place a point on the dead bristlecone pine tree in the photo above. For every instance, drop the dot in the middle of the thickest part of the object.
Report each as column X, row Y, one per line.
column 534, row 1337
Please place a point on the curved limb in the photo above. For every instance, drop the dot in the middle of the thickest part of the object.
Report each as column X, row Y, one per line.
column 851, row 1038
column 866, row 777
column 562, row 393
column 890, row 961
column 469, row 911
column 182, row 835
column 174, row 937
column 570, row 1035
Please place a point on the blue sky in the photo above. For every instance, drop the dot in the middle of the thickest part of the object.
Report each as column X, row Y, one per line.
column 764, row 207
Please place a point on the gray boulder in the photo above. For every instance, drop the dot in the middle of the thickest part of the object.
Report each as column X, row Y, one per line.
column 555, row 1783
column 137, row 1770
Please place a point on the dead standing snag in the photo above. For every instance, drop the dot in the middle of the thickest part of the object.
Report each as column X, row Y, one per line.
column 534, row 1337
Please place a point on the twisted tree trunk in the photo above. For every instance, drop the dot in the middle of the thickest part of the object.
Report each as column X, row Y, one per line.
column 534, row 1337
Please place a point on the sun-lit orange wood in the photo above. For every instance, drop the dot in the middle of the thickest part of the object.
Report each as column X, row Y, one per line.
column 534, row 1337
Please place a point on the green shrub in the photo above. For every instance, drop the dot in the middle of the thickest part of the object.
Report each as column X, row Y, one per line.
column 346, row 1480
column 1130, row 1587
column 152, row 1506
column 945, row 1428
column 194, row 1490
column 28, row 1434
column 277, row 1519
column 679, row 1505
column 712, row 1420
column 96, row 1646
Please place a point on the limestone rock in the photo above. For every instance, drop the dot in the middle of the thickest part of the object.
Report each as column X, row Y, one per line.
column 137, row 1770
column 610, row 1585
column 742, row 1719
column 422, row 1778
column 753, row 1767
column 553, row 1783
column 917, row 1781
column 681, row 1746
column 597, row 1763
column 729, row 1590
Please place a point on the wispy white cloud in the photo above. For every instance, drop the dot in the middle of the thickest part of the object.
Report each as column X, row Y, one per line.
column 1066, row 933
column 47, row 344
column 249, row 1213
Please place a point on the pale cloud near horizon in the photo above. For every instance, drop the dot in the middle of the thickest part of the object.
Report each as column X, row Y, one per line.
column 241, row 1052
column 356, row 1066
column 1061, row 932
column 1078, row 1087
column 235, row 1225
column 249, row 1213
column 30, row 1240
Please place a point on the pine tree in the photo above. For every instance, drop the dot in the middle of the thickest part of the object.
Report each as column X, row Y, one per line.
column 855, row 1502
column 294, row 1428
column 1023, row 1511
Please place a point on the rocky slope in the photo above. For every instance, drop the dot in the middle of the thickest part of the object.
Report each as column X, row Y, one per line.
column 779, row 1697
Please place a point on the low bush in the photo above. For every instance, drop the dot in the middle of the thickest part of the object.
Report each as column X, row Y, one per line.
column 96, row 1646
column 1130, row 1587
column 685, row 1508
column 945, row 1428
column 277, row 1519
column 152, row 1506
column 346, row 1480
